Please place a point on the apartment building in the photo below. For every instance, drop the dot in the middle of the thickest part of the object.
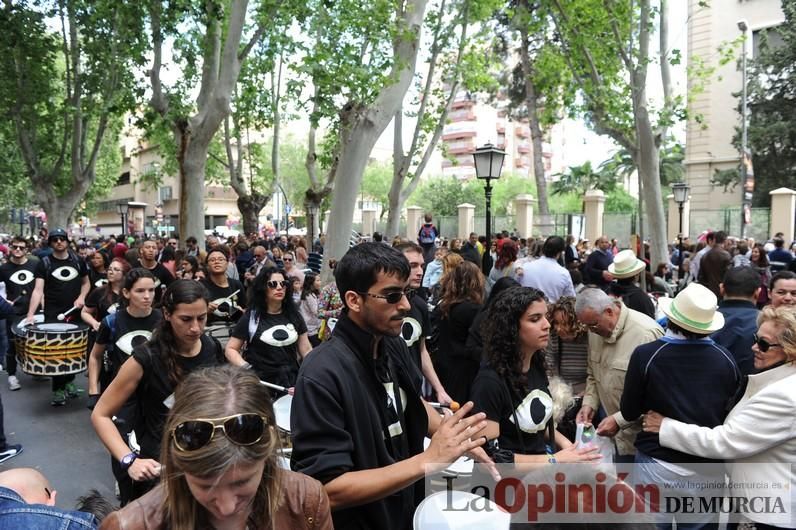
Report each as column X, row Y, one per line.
column 713, row 115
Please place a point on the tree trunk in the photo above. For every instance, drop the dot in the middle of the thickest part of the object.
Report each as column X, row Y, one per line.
column 192, row 181
column 398, row 170
column 536, row 130
column 250, row 206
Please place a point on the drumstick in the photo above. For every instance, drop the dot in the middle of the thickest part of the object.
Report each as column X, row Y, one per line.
column 454, row 405
column 275, row 387
column 228, row 298
column 62, row 316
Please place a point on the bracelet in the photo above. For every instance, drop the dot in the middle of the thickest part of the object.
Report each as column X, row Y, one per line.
column 551, row 458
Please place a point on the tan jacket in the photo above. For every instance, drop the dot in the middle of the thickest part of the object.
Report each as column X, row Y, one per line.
column 608, row 360
column 305, row 506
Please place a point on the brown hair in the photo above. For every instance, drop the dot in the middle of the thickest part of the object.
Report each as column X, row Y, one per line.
column 465, row 283
column 213, row 393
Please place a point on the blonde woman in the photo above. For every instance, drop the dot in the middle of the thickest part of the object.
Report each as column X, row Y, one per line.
column 220, row 465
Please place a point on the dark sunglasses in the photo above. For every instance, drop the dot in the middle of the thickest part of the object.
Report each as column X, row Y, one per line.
column 18, row 247
column 393, row 297
column 287, row 259
column 58, row 238
column 763, row 345
column 240, row 429
column 273, row 284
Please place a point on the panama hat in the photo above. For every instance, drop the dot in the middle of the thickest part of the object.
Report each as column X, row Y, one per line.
column 626, row 265
column 693, row 309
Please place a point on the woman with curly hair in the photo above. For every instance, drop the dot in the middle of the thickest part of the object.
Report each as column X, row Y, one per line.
column 512, row 387
column 220, row 470
column 461, row 296
column 504, row 266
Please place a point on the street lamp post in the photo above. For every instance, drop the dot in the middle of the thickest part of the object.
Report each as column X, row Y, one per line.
column 680, row 191
column 744, row 27
column 488, row 165
column 122, row 208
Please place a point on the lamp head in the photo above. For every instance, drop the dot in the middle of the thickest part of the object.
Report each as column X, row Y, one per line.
column 743, row 25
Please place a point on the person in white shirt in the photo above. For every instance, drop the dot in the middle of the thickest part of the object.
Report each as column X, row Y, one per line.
column 547, row 274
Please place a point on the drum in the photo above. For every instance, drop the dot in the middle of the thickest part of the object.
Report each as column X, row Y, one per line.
column 282, row 408
column 462, row 467
column 54, row 348
column 447, row 510
column 20, row 333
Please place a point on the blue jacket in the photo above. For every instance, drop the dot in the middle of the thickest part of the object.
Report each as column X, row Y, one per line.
column 16, row 514
column 693, row 381
column 597, row 262
column 740, row 325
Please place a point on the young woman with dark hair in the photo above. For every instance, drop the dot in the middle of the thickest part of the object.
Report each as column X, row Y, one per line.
column 227, row 295
column 97, row 269
column 178, row 346
column 308, row 306
column 272, row 330
column 189, row 269
column 512, row 386
column 221, row 466
column 759, row 261
column 105, row 300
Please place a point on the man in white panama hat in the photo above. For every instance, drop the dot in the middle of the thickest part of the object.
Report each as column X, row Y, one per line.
column 625, row 270
column 686, row 373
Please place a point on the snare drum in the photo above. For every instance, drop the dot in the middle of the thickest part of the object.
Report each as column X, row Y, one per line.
column 20, row 333
column 462, row 467
column 435, row 513
column 54, row 348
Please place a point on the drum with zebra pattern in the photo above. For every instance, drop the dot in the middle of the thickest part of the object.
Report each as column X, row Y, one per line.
column 54, row 348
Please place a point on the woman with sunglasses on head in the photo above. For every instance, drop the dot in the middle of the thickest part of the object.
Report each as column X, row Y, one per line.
column 105, row 300
column 512, row 387
column 220, row 464
column 227, row 295
column 272, row 330
column 178, row 346
column 757, row 439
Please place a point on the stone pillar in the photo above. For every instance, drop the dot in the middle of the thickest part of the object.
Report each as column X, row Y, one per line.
column 466, row 220
column 414, row 218
column 368, row 221
column 595, row 207
column 523, row 214
column 673, row 221
column 783, row 212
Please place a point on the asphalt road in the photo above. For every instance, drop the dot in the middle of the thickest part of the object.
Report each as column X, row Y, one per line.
column 58, row 441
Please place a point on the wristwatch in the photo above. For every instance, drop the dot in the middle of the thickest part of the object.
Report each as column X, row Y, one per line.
column 127, row 461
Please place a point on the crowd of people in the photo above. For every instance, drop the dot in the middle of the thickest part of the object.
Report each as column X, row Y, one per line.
column 413, row 354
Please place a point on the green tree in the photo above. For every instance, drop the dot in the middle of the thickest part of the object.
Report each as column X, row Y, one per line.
column 63, row 88
column 582, row 178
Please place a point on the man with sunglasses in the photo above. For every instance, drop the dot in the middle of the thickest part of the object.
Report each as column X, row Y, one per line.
column 357, row 419
column 18, row 275
column 62, row 283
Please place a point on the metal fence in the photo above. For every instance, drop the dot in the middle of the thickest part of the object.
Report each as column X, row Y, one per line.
column 729, row 220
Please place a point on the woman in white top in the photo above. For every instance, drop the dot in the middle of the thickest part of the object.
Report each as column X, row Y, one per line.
column 758, row 437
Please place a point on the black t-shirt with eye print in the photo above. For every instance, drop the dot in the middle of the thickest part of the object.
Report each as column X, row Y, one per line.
column 273, row 348
column 62, row 281
column 127, row 333
column 19, row 280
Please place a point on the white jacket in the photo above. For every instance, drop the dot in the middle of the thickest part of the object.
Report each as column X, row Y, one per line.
column 758, row 437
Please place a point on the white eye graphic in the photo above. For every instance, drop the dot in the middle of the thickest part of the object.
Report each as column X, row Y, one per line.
column 65, row 274
column 101, row 282
column 130, row 340
column 112, row 309
column 21, row 277
column 534, row 411
column 411, row 331
column 157, row 283
column 280, row 335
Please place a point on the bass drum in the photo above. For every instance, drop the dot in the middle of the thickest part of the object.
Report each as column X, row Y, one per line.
column 54, row 348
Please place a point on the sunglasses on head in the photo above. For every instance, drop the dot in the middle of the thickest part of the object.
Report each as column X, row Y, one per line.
column 240, row 429
column 763, row 345
column 273, row 284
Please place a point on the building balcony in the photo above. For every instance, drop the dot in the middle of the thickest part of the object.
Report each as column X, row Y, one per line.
column 461, row 115
column 523, row 148
column 521, row 131
column 461, row 149
column 501, row 129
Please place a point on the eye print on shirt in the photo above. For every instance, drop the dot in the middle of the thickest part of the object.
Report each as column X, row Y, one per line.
column 411, row 331
column 65, row 274
column 21, row 277
column 157, row 283
column 534, row 411
column 113, row 308
column 281, row 335
column 101, row 282
column 129, row 341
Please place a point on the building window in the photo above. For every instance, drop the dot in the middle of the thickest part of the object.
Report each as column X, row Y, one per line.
column 773, row 36
column 124, row 178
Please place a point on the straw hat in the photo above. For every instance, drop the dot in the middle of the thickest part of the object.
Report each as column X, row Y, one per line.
column 693, row 309
column 626, row 265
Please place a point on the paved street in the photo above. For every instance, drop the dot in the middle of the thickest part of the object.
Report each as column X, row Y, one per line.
column 59, row 442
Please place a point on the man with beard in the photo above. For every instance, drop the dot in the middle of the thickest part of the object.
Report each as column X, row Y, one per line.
column 18, row 275
column 417, row 325
column 357, row 421
column 147, row 259
column 62, row 284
